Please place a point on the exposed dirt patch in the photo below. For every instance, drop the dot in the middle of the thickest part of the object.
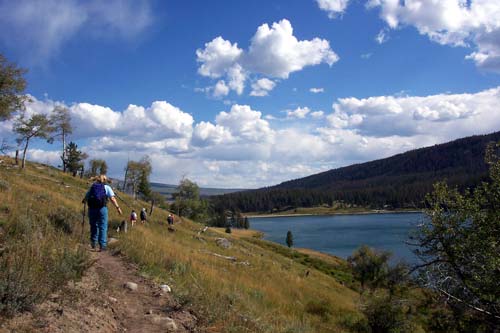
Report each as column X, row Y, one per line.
column 100, row 303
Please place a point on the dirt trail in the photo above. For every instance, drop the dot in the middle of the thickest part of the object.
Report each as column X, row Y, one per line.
column 100, row 303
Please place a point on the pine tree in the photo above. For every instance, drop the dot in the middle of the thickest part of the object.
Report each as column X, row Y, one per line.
column 74, row 158
column 289, row 239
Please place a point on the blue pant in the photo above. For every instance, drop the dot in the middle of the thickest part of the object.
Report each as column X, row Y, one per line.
column 98, row 219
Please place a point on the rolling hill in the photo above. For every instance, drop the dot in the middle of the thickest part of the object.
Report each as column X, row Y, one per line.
column 400, row 181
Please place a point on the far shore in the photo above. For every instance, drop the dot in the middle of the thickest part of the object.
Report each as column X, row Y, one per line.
column 364, row 212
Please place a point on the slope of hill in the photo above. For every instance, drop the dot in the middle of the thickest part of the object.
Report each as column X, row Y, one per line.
column 251, row 286
column 399, row 181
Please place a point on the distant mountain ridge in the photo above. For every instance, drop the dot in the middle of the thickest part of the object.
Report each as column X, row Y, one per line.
column 400, row 181
column 167, row 190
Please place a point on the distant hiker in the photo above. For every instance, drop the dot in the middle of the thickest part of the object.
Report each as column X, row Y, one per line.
column 133, row 218
column 170, row 219
column 97, row 198
column 143, row 216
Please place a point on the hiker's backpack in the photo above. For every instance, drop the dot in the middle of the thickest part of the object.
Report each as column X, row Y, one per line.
column 133, row 216
column 97, row 196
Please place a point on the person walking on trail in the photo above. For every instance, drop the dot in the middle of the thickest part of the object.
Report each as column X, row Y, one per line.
column 133, row 217
column 144, row 217
column 97, row 199
column 170, row 219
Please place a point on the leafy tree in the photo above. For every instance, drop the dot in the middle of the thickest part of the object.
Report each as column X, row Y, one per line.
column 144, row 187
column 37, row 126
column 459, row 246
column 246, row 223
column 12, row 86
column 137, row 176
column 369, row 266
column 186, row 197
column 158, row 199
column 289, row 239
column 61, row 121
column 97, row 167
column 74, row 158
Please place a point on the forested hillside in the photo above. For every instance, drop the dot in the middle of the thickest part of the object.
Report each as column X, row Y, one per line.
column 400, row 181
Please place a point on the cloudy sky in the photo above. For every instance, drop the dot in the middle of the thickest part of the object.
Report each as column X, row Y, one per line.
column 243, row 94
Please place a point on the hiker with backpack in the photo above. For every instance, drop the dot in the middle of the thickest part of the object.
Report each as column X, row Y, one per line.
column 144, row 217
column 97, row 199
column 133, row 217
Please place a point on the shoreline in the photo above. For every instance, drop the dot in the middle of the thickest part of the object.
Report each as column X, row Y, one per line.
column 333, row 214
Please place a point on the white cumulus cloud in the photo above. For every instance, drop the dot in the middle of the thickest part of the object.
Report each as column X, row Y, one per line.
column 262, row 87
column 317, row 90
column 474, row 23
column 241, row 148
column 273, row 52
column 243, row 122
column 334, row 8
column 298, row 113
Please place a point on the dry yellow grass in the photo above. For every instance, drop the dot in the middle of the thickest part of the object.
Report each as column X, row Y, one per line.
column 262, row 290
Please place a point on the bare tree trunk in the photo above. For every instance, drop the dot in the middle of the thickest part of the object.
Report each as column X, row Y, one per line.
column 151, row 209
column 124, row 189
column 24, row 153
column 64, row 151
column 17, row 156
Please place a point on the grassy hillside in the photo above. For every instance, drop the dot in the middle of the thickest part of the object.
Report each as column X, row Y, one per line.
column 400, row 181
column 256, row 287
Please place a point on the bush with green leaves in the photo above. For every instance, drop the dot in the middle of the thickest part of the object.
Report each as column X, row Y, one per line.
column 459, row 245
column 369, row 266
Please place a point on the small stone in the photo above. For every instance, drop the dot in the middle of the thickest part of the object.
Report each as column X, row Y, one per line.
column 166, row 322
column 112, row 299
column 149, row 312
column 131, row 286
column 166, row 288
column 112, row 240
column 223, row 242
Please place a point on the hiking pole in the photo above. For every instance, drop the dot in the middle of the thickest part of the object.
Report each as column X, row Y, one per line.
column 83, row 219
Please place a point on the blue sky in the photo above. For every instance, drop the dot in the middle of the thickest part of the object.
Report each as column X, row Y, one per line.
column 252, row 93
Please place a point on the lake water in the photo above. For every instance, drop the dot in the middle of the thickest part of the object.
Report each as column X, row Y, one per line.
column 342, row 234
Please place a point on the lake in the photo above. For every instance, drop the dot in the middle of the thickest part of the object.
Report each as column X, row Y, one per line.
column 342, row 234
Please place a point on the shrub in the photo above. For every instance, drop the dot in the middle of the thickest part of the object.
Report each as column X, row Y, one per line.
column 319, row 308
column 387, row 314
column 4, row 185
column 369, row 266
column 64, row 219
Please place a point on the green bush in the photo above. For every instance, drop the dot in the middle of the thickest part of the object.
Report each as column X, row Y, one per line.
column 4, row 185
column 319, row 308
column 64, row 219
column 387, row 314
column 31, row 271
